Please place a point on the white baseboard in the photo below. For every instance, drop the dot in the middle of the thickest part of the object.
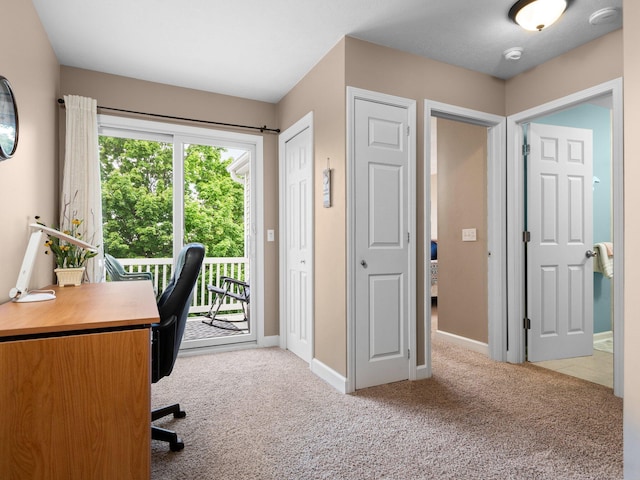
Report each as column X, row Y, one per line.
column 468, row 343
column 602, row 336
column 329, row 375
column 422, row 372
column 270, row 341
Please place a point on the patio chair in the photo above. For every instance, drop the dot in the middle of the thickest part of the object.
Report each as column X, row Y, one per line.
column 230, row 288
column 117, row 273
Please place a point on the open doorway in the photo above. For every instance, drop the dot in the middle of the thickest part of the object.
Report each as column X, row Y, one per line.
column 595, row 363
column 516, row 221
column 488, row 196
column 458, row 245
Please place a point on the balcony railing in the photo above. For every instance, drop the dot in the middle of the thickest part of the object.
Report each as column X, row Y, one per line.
column 212, row 270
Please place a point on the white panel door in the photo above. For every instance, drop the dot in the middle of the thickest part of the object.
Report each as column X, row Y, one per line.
column 298, row 230
column 560, row 271
column 381, row 243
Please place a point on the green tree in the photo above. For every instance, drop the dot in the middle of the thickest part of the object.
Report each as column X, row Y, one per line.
column 137, row 192
column 214, row 203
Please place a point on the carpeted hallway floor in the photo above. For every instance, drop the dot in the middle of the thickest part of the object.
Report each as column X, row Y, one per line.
column 261, row 414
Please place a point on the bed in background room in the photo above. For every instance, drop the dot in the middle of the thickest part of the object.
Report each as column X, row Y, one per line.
column 434, row 268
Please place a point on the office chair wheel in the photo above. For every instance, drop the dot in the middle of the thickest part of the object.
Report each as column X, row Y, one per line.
column 180, row 414
column 176, row 446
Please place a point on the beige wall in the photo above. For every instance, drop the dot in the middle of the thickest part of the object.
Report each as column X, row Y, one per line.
column 631, row 236
column 434, row 206
column 390, row 71
column 28, row 180
column 131, row 94
column 462, row 203
column 322, row 92
column 591, row 64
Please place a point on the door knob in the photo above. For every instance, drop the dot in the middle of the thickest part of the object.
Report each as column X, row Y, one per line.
column 590, row 253
column 363, row 263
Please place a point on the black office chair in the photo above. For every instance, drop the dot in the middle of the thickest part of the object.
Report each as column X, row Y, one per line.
column 173, row 307
column 117, row 273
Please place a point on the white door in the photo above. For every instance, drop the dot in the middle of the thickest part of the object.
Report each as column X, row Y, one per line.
column 297, row 238
column 560, row 270
column 381, row 156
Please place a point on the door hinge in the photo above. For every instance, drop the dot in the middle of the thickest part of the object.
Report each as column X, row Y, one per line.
column 408, row 130
column 527, row 323
column 408, row 353
column 408, row 237
column 526, row 149
column 526, row 237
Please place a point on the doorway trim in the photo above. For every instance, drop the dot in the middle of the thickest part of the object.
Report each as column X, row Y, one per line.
column 304, row 123
column 354, row 94
column 515, row 220
column 496, row 211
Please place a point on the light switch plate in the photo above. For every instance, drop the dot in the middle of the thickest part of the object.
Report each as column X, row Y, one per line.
column 468, row 234
column 271, row 235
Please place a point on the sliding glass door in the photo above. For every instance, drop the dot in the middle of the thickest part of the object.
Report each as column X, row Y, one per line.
column 148, row 218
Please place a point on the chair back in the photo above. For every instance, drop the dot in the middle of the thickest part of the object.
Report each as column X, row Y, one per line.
column 173, row 308
column 117, row 273
column 114, row 268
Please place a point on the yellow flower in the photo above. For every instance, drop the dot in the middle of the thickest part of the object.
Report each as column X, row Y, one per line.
column 68, row 255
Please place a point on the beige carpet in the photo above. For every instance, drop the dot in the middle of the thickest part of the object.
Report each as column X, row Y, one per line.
column 261, row 414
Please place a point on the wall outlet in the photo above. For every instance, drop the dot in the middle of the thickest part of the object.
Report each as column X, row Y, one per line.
column 468, row 234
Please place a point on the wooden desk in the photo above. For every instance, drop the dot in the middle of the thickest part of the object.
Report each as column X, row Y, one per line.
column 75, row 390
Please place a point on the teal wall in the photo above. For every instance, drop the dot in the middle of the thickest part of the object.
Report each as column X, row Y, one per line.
column 598, row 119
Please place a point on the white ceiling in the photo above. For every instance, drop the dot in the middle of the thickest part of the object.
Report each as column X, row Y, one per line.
column 260, row 49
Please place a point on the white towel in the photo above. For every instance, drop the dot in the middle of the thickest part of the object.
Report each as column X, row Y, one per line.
column 603, row 262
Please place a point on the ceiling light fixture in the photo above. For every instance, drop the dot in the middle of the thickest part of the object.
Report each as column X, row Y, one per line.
column 537, row 14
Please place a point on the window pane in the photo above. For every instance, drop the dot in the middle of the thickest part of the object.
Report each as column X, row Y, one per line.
column 137, row 192
column 213, row 201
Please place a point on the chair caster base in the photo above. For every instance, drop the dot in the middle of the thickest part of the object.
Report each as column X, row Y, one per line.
column 176, row 446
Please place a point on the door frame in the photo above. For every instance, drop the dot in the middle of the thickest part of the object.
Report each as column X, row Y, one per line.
column 139, row 128
column 354, row 94
column 496, row 212
column 304, row 123
column 515, row 220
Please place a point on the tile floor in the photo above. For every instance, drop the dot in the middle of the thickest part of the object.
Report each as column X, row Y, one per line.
column 598, row 368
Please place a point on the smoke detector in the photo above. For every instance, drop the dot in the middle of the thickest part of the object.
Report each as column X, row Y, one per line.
column 514, row 53
column 604, row 15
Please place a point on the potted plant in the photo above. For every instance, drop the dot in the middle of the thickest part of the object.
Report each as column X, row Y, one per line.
column 70, row 259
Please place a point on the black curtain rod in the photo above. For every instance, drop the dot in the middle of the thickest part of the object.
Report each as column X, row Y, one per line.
column 171, row 117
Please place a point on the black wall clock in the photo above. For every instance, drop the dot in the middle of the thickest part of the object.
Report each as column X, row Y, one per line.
column 8, row 121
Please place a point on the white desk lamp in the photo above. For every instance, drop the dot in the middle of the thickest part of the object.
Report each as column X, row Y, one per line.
column 20, row 293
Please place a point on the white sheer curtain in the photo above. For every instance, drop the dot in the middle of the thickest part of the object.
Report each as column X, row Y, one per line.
column 81, row 192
